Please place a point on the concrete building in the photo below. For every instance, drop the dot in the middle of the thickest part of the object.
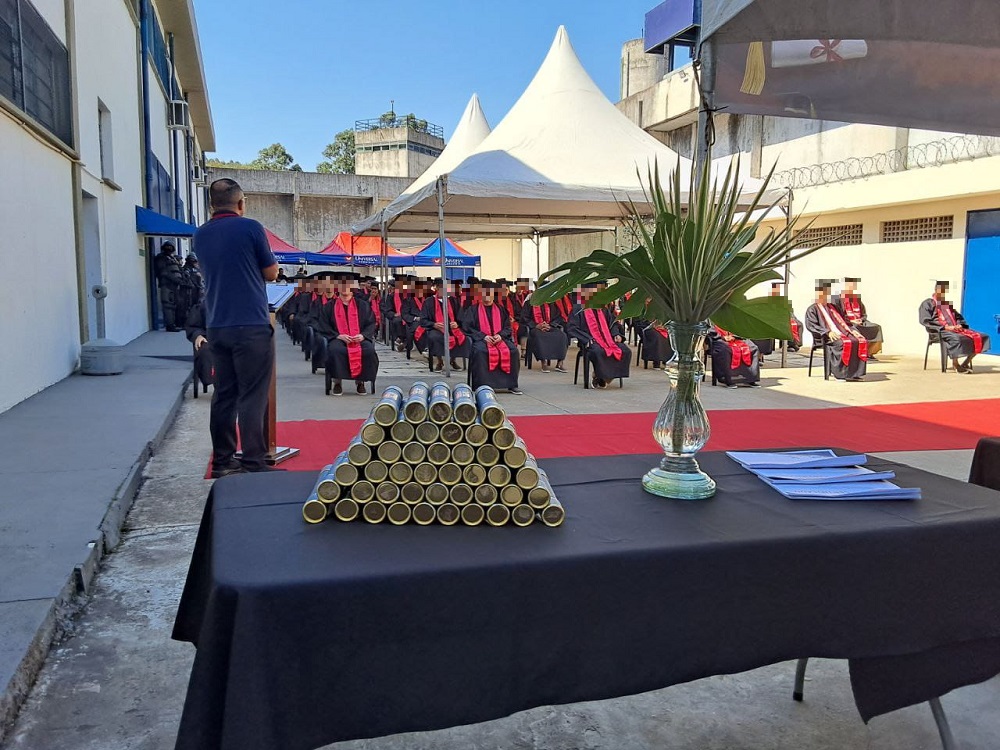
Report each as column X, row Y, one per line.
column 103, row 108
column 396, row 147
column 909, row 205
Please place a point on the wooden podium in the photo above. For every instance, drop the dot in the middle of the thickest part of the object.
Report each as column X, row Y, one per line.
column 277, row 296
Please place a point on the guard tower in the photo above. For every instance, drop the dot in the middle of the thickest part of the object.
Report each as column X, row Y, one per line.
column 396, row 145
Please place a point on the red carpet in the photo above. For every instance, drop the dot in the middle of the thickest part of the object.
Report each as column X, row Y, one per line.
column 943, row 425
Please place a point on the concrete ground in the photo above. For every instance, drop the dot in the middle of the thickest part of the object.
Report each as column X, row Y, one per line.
column 116, row 681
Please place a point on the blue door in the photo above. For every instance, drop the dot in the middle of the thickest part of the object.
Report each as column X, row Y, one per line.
column 981, row 296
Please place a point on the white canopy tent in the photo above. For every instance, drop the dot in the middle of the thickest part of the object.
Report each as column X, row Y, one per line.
column 563, row 159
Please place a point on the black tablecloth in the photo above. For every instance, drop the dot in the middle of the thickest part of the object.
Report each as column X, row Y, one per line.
column 314, row 634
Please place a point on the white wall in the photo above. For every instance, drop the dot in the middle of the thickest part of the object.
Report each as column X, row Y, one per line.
column 106, row 66
column 39, row 321
column 54, row 13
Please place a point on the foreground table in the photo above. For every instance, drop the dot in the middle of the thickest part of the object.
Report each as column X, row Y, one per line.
column 308, row 635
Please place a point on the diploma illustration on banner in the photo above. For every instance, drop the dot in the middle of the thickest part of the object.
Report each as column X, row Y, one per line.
column 798, row 52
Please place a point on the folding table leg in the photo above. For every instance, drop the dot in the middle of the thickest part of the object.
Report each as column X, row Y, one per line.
column 800, row 679
column 947, row 740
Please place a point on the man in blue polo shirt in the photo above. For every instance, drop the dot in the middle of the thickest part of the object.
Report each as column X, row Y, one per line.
column 236, row 261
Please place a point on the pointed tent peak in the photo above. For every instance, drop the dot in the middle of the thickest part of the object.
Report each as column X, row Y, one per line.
column 472, row 128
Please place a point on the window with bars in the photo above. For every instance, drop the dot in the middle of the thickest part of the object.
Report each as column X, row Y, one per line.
column 34, row 68
column 845, row 234
column 917, row 230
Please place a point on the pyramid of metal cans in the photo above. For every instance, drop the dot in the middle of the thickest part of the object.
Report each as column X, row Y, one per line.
column 438, row 454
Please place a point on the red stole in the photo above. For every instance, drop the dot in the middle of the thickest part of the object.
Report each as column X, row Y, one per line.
column 662, row 331
column 347, row 324
column 565, row 307
column 796, row 335
column 946, row 317
column 599, row 331
column 852, row 309
column 739, row 348
column 508, row 304
column 499, row 353
column 376, row 306
column 542, row 313
column 835, row 322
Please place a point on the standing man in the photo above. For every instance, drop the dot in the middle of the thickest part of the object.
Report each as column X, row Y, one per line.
column 169, row 278
column 236, row 262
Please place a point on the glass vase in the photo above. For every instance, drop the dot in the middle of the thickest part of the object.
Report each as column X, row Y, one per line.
column 681, row 427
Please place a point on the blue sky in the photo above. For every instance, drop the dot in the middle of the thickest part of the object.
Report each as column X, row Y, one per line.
column 299, row 71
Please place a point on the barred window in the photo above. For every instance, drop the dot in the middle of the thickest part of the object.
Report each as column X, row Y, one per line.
column 34, row 68
column 916, row 230
column 845, row 234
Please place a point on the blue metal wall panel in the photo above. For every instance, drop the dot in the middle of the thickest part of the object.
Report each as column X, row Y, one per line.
column 670, row 20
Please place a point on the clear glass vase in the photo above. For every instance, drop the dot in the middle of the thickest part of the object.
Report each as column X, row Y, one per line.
column 681, row 427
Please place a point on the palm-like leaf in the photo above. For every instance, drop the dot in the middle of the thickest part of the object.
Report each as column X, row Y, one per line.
column 693, row 260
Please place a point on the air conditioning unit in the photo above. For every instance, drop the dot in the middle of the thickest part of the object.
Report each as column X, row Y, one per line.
column 197, row 172
column 178, row 115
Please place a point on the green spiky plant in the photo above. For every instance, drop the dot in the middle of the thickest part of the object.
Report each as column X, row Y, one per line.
column 694, row 260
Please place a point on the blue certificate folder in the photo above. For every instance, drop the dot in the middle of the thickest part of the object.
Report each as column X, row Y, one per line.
column 822, row 475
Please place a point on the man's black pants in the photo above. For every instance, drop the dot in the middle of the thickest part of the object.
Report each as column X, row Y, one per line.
column 244, row 358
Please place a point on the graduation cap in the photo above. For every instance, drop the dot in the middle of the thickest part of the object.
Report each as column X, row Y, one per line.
column 945, row 284
column 502, row 282
column 523, row 279
column 345, row 276
column 590, row 285
column 471, row 280
column 850, row 279
column 487, row 284
column 824, row 284
column 437, row 282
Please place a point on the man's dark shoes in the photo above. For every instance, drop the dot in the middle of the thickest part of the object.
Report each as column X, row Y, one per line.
column 455, row 365
column 227, row 469
column 338, row 388
column 360, row 387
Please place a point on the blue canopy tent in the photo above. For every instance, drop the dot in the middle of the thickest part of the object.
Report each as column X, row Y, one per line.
column 459, row 263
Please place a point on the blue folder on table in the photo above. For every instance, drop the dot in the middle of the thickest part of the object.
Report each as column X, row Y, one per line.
column 809, row 459
column 876, row 490
column 823, row 475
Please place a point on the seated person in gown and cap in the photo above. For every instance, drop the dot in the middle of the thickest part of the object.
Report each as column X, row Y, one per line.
column 519, row 300
column 493, row 360
column 601, row 338
column 197, row 333
column 430, row 333
column 544, row 328
column 961, row 343
column 848, row 347
column 325, row 283
column 852, row 309
column 733, row 357
column 400, row 313
column 352, row 349
column 655, row 338
column 300, row 312
column 795, row 324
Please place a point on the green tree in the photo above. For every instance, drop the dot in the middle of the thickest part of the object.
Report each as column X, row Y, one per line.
column 338, row 157
column 227, row 164
column 274, row 157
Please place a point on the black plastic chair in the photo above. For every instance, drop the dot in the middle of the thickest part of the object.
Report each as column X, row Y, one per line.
column 580, row 354
column 934, row 337
column 824, row 343
column 947, row 739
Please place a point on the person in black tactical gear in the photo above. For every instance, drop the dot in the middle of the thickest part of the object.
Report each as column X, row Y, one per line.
column 169, row 278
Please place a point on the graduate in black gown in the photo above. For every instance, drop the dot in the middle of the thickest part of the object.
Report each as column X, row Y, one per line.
column 656, row 347
column 197, row 334
column 545, row 331
column 493, row 360
column 795, row 343
column 394, row 305
column 601, row 338
column 519, row 300
column 848, row 347
column 323, row 331
column 852, row 309
column 961, row 343
column 733, row 357
column 430, row 334
column 352, row 349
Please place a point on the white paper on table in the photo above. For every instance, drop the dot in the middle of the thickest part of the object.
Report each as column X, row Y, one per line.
column 822, row 475
column 823, row 458
column 798, row 52
column 877, row 490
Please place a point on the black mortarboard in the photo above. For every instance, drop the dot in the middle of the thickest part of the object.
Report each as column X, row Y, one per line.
column 525, row 279
column 471, row 280
column 942, row 283
column 346, row 276
column 502, row 282
column 487, row 284
column 590, row 285
column 855, row 279
column 824, row 284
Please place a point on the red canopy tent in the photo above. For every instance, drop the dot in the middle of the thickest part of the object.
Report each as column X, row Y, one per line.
column 278, row 245
column 347, row 244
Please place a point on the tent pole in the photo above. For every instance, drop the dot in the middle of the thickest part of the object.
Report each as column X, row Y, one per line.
column 384, row 255
column 788, row 270
column 538, row 256
column 706, row 129
column 444, row 277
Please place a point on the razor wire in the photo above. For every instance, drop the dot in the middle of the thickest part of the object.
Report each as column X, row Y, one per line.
column 931, row 154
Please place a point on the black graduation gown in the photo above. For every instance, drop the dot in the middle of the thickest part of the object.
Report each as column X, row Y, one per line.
column 722, row 360
column 194, row 327
column 871, row 331
column 855, row 368
column 337, row 362
column 605, row 368
column 520, row 305
column 432, row 340
column 322, row 331
column 545, row 345
column 656, row 347
column 956, row 344
column 479, row 359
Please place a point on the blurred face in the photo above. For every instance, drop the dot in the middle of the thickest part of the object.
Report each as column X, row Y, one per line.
column 775, row 291
column 850, row 287
column 522, row 286
column 940, row 291
column 345, row 287
column 488, row 295
column 821, row 294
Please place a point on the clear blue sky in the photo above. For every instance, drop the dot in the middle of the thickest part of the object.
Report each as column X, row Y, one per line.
column 299, row 71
